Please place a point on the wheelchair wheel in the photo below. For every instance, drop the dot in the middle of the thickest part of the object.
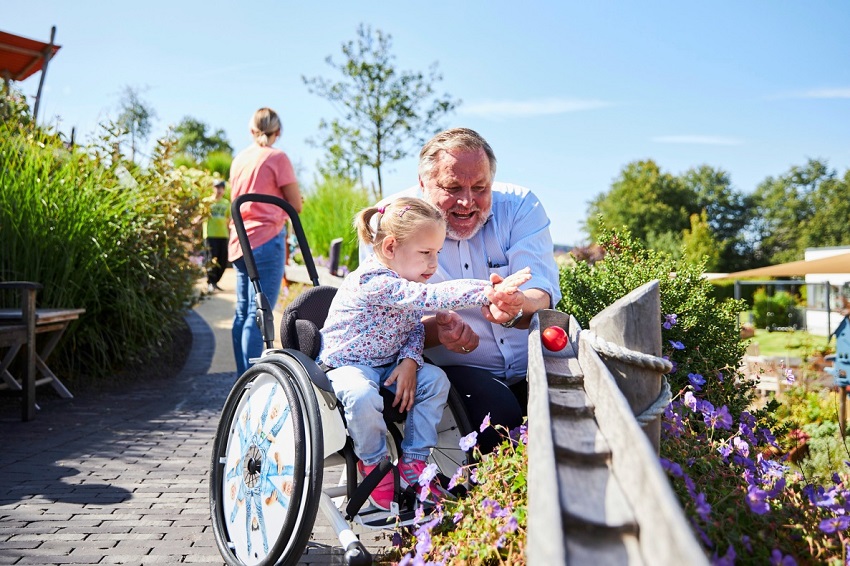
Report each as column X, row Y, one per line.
column 453, row 426
column 263, row 480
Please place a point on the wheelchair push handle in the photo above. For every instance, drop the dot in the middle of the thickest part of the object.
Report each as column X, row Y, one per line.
column 250, row 265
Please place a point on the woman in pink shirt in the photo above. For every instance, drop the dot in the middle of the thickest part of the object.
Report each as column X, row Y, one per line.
column 262, row 169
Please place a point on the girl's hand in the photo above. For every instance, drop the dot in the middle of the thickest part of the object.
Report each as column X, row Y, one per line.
column 511, row 283
column 404, row 375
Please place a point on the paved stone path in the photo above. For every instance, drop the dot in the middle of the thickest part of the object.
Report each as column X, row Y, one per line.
column 122, row 477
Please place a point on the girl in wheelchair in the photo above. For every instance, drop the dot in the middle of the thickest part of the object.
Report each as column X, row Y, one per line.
column 373, row 337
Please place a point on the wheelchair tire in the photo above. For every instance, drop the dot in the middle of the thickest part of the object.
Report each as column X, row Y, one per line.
column 453, row 426
column 263, row 478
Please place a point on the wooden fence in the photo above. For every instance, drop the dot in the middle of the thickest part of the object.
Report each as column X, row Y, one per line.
column 597, row 492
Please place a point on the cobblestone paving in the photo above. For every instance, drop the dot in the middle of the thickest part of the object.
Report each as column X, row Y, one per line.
column 122, row 477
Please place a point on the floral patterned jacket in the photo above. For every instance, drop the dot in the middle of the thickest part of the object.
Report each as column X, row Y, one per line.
column 376, row 316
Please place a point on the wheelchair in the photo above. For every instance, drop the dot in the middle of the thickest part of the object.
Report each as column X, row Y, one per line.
column 282, row 424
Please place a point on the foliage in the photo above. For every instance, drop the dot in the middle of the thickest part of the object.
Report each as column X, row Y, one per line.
column 777, row 310
column 807, row 206
column 218, row 162
column 644, row 200
column 14, row 108
column 135, row 117
column 328, row 213
column 656, row 207
column 385, row 111
column 101, row 234
column 709, row 328
column 699, row 244
column 194, row 139
column 727, row 464
column 489, row 525
column 743, row 500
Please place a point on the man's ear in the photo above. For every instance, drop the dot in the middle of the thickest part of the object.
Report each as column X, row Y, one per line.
column 388, row 246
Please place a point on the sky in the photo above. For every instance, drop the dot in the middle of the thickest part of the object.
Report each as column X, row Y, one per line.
column 567, row 93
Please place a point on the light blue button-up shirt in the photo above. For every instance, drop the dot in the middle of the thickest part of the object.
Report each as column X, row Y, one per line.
column 515, row 236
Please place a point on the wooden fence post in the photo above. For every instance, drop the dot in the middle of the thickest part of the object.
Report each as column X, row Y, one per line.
column 634, row 322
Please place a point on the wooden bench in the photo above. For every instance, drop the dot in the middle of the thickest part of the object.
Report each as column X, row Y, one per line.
column 19, row 328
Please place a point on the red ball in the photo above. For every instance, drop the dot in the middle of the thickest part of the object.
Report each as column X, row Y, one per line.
column 554, row 338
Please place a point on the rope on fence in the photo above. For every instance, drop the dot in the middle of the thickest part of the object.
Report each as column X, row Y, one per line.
column 639, row 359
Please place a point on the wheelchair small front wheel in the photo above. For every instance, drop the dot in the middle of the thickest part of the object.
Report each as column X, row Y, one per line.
column 257, row 476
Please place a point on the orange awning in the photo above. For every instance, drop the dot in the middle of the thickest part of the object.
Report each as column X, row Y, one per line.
column 21, row 57
column 839, row 263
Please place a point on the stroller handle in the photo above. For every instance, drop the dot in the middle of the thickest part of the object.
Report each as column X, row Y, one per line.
column 250, row 265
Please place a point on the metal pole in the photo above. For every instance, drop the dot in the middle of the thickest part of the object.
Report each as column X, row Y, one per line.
column 48, row 53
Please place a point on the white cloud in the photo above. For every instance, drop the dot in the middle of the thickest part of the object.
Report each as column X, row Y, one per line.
column 827, row 93
column 698, row 140
column 525, row 108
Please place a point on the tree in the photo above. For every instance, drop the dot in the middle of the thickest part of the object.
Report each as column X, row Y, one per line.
column 386, row 113
column 193, row 139
column 135, row 117
column 729, row 213
column 646, row 201
column 785, row 208
column 699, row 243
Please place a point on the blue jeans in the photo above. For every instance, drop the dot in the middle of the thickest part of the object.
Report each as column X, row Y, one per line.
column 247, row 338
column 357, row 388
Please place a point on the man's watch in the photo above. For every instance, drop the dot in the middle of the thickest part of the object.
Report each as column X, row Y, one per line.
column 512, row 322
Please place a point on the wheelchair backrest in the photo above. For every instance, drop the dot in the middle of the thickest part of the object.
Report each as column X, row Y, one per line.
column 302, row 319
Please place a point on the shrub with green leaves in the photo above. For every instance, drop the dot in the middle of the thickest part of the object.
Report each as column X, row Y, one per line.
column 770, row 311
column 727, row 464
column 704, row 340
column 101, row 234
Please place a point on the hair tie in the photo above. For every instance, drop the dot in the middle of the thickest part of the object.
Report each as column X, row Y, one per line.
column 382, row 209
column 402, row 211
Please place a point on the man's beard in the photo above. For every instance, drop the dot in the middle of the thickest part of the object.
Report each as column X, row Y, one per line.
column 452, row 234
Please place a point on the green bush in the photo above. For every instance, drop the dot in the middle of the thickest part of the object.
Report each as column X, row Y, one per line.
column 774, row 311
column 218, row 162
column 101, row 234
column 726, row 464
column 329, row 209
column 707, row 329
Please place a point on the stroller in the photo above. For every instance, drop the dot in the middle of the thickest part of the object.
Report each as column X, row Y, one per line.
column 281, row 425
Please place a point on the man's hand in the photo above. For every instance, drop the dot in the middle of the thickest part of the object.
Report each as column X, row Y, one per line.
column 405, row 374
column 454, row 333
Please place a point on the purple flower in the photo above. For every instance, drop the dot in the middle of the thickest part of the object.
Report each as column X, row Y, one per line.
column 720, row 376
column 396, row 540
column 691, row 401
column 491, row 507
column 428, row 473
column 676, row 345
column 669, row 321
column 455, row 478
column 702, row 506
column 727, row 559
column 719, row 419
column 757, row 500
column 741, row 446
column 485, row 423
column 510, row 526
column 724, row 450
column 696, row 381
column 457, row 517
column 671, row 468
column 468, row 441
column 789, row 376
column 777, row 559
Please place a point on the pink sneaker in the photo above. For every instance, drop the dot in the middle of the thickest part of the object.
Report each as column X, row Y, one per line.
column 382, row 496
column 411, row 470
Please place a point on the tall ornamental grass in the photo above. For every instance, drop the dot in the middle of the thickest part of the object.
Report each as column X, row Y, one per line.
column 329, row 209
column 101, row 234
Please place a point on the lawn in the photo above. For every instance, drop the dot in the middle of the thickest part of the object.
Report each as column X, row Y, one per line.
column 790, row 344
